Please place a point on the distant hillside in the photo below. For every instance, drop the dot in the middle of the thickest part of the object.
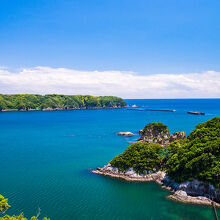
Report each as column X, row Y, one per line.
column 53, row 102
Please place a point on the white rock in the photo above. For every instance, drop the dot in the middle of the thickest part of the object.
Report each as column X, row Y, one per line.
column 115, row 169
column 180, row 193
column 184, row 185
column 130, row 172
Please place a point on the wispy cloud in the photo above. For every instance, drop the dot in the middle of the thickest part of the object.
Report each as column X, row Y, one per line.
column 45, row 80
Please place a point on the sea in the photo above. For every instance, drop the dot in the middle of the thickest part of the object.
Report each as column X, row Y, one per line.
column 46, row 157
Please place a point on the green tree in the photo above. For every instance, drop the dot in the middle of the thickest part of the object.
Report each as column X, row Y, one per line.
column 4, row 206
column 141, row 156
column 197, row 157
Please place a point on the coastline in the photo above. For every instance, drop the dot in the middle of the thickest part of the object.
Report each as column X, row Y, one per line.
column 158, row 177
column 148, row 178
column 62, row 109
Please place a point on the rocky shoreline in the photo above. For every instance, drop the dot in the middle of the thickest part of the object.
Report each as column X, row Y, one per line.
column 180, row 192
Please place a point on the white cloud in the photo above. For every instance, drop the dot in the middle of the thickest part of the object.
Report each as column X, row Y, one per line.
column 45, row 80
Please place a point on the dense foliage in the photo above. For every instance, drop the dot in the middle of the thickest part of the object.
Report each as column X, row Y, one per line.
column 29, row 101
column 156, row 126
column 19, row 217
column 4, row 206
column 141, row 156
column 198, row 157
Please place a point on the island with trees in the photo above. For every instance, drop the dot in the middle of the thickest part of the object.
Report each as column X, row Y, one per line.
column 188, row 166
column 28, row 102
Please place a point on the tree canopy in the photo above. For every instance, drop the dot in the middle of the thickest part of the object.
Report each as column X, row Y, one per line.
column 156, row 126
column 197, row 157
column 141, row 156
column 4, row 206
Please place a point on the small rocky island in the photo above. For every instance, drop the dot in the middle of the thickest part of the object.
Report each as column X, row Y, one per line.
column 187, row 166
column 125, row 133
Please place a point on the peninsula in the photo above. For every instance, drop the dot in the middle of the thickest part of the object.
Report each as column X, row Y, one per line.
column 187, row 166
column 31, row 102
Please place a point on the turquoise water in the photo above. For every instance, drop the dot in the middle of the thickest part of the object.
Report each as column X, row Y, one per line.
column 45, row 158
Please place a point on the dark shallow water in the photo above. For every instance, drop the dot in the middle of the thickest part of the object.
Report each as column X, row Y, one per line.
column 45, row 158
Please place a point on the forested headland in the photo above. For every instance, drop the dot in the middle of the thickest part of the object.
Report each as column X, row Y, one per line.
column 188, row 166
column 25, row 102
column 195, row 157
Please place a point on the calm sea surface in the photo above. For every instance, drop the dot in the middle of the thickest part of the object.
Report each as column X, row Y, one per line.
column 45, row 156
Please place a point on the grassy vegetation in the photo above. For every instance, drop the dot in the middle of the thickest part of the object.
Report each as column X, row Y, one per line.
column 29, row 101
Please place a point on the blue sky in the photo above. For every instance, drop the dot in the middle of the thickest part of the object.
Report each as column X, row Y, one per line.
column 145, row 37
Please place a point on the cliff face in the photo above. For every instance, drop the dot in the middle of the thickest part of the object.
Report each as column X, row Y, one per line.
column 159, row 133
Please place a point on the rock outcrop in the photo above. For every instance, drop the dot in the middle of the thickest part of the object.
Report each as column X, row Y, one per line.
column 177, row 136
column 126, row 133
column 159, row 133
column 130, row 174
column 195, row 192
column 194, row 188
column 182, row 196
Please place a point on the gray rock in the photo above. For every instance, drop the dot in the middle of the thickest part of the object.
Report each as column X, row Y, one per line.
column 161, row 136
column 126, row 133
column 177, row 136
column 180, row 193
